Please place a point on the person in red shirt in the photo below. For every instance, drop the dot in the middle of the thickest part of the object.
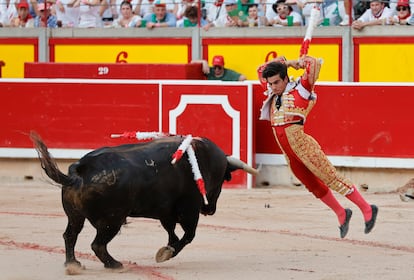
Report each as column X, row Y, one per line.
column 286, row 107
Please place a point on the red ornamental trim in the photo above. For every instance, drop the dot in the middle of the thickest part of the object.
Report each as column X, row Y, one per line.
column 177, row 156
column 202, row 189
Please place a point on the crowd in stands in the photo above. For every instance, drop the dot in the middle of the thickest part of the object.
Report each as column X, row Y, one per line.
column 206, row 14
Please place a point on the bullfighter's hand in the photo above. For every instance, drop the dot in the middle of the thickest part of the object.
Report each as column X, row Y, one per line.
column 296, row 64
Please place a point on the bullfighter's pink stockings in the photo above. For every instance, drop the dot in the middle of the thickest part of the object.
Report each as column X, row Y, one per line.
column 333, row 203
column 358, row 200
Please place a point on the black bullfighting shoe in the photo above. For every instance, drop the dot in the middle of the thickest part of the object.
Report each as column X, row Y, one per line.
column 371, row 223
column 343, row 229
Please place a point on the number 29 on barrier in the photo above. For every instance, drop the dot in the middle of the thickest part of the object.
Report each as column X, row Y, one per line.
column 103, row 70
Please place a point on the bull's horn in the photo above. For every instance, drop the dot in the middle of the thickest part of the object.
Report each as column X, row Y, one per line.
column 242, row 165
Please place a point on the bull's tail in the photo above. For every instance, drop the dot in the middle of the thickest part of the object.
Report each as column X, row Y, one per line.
column 49, row 164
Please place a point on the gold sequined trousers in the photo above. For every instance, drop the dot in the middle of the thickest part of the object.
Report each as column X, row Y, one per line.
column 308, row 162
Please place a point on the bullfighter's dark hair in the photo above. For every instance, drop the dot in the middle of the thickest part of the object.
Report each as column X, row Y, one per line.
column 275, row 68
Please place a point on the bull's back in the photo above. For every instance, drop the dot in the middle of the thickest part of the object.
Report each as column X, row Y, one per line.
column 142, row 178
column 137, row 161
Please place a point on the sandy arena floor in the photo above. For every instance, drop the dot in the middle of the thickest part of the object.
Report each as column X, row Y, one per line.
column 295, row 237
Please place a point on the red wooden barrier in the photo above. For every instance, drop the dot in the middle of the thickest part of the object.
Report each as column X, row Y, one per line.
column 350, row 120
column 114, row 71
column 73, row 115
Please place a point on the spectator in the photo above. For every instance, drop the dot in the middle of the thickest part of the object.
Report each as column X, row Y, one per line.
column 283, row 11
column 403, row 10
column 243, row 5
column 45, row 18
column 116, row 7
column 392, row 4
column 104, row 10
column 216, row 14
column 7, row 11
column 218, row 72
column 144, row 7
column 343, row 9
column 410, row 20
column 32, row 8
column 334, row 10
column 377, row 14
column 253, row 18
column 305, row 7
column 190, row 18
column 182, row 7
column 359, row 8
column 234, row 17
column 227, row 17
column 270, row 14
column 261, row 4
column 66, row 16
column 90, row 12
column 106, row 14
column 160, row 17
column 127, row 18
column 24, row 19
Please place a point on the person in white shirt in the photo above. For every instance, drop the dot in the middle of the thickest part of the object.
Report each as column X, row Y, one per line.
column 334, row 10
column 89, row 12
column 271, row 14
column 253, row 17
column 282, row 11
column 116, row 7
column 216, row 14
column 127, row 18
column 377, row 14
column 68, row 16
column 224, row 19
column 8, row 11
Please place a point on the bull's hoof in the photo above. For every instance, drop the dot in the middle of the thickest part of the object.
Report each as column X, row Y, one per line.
column 164, row 254
column 403, row 197
column 114, row 265
column 74, row 268
column 406, row 197
column 118, row 268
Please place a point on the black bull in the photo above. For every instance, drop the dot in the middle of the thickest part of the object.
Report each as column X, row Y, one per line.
column 110, row 184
